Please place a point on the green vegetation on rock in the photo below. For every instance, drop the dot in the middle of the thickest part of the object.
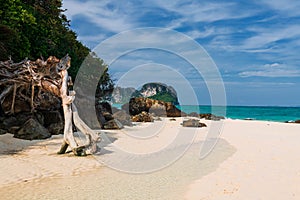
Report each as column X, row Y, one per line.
column 166, row 97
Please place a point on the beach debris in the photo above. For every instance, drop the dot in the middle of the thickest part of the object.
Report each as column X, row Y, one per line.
column 35, row 86
column 193, row 123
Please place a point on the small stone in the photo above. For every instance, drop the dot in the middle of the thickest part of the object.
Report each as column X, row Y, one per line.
column 193, row 123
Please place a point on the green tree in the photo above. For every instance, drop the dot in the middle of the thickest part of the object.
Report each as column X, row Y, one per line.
column 39, row 28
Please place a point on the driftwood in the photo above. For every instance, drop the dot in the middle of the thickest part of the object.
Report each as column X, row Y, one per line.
column 29, row 85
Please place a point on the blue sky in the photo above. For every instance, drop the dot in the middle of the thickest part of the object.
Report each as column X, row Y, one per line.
column 255, row 44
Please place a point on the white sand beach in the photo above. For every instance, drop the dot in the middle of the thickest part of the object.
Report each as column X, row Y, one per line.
column 252, row 160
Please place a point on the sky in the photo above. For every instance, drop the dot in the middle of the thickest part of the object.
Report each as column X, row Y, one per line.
column 254, row 46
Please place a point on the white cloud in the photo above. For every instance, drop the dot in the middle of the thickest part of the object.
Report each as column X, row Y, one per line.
column 204, row 11
column 286, row 7
column 266, row 36
column 273, row 70
column 258, row 84
column 92, row 38
column 195, row 34
column 114, row 19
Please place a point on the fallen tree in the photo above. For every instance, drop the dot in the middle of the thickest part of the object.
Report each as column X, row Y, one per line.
column 28, row 85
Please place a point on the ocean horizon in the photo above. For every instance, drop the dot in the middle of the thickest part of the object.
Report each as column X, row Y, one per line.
column 262, row 113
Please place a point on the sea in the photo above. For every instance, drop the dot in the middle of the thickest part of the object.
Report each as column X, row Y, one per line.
column 264, row 113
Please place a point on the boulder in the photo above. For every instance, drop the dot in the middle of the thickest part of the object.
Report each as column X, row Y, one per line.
column 107, row 116
column 193, row 123
column 297, row 121
column 16, row 120
column 142, row 117
column 14, row 129
column 104, row 107
column 52, row 117
column 2, row 114
column 123, row 117
column 125, row 107
column 172, row 110
column 210, row 116
column 32, row 130
column 56, row 128
column 114, row 110
column 193, row 114
column 113, row 124
column 159, row 108
column 2, row 131
column 40, row 117
column 10, row 121
column 104, row 112
column 53, row 121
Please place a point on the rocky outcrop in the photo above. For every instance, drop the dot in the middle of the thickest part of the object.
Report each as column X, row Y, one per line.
column 193, row 123
column 158, row 108
column 30, row 126
column 157, row 91
column 112, row 118
column 142, row 117
column 122, row 95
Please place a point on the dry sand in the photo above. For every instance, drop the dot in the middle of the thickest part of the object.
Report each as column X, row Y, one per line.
column 252, row 160
column 266, row 164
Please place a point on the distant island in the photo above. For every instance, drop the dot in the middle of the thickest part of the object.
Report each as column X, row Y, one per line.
column 157, row 91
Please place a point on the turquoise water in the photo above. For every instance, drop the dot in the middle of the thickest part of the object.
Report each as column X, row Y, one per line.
column 278, row 114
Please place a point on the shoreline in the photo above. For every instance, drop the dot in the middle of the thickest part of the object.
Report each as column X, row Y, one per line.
column 44, row 174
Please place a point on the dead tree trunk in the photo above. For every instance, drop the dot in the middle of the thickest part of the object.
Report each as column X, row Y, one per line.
column 27, row 85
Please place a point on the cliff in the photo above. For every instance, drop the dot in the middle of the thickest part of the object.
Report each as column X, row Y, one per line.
column 157, row 91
